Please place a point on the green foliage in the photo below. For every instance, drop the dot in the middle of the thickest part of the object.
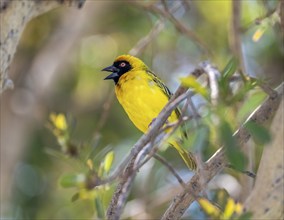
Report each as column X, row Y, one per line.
column 234, row 154
column 192, row 83
column 245, row 216
column 84, row 183
column 266, row 24
column 229, row 70
column 259, row 133
column 253, row 100
column 72, row 180
column 100, row 208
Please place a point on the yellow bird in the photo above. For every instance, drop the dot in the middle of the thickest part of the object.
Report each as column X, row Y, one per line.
column 143, row 95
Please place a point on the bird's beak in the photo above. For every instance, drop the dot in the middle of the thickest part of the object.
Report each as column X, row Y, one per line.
column 112, row 69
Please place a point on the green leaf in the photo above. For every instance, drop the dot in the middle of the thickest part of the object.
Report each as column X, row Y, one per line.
column 99, row 208
column 108, row 161
column 234, row 154
column 72, row 180
column 265, row 24
column 259, row 133
column 250, row 104
column 230, row 68
column 245, row 216
column 75, row 197
column 192, row 83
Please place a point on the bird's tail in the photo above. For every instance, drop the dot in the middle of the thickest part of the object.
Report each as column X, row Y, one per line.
column 187, row 157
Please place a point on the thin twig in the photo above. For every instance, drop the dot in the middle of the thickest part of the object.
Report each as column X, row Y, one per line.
column 178, row 25
column 278, row 11
column 176, row 123
column 154, row 149
column 235, row 36
column 149, row 151
column 171, row 169
column 143, row 42
column 213, row 75
column 106, row 109
column 156, row 29
column 246, row 172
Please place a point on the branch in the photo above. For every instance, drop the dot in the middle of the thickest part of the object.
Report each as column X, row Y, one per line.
column 156, row 29
column 167, row 14
column 235, row 36
column 217, row 162
column 213, row 75
column 265, row 201
column 14, row 17
column 170, row 168
column 143, row 42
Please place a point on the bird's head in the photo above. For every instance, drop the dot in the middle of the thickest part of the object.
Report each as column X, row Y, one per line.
column 123, row 64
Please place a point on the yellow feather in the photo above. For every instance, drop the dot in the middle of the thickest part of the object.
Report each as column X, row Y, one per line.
column 143, row 96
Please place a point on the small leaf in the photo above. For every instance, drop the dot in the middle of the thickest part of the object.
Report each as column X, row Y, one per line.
column 108, row 161
column 90, row 164
column 258, row 132
column 234, row 154
column 75, row 197
column 191, row 82
column 259, row 33
column 87, row 194
column 59, row 121
column 245, row 216
column 229, row 209
column 265, row 24
column 99, row 208
column 210, row 209
column 251, row 103
column 72, row 180
column 224, row 84
column 230, row 68
column 239, row 208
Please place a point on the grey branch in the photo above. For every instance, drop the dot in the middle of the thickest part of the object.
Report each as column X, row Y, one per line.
column 266, row 199
column 14, row 17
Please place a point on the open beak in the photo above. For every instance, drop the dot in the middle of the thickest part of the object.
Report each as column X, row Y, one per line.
column 112, row 69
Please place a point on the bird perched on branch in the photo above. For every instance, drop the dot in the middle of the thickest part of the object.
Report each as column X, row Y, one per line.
column 143, row 95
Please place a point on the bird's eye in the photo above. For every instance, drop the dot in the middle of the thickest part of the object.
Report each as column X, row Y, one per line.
column 122, row 64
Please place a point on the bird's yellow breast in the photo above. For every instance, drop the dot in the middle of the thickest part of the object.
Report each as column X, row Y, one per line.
column 141, row 98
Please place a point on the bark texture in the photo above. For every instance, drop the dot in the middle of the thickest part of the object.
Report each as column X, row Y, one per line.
column 14, row 16
column 267, row 198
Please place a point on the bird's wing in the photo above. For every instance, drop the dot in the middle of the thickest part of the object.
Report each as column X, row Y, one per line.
column 160, row 84
column 167, row 92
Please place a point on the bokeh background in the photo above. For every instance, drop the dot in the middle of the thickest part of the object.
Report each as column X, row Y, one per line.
column 57, row 68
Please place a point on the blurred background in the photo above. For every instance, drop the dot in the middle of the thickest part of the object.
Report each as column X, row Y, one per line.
column 57, row 69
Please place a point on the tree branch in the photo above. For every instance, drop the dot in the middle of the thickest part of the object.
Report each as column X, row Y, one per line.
column 167, row 14
column 14, row 17
column 235, row 36
column 266, row 199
